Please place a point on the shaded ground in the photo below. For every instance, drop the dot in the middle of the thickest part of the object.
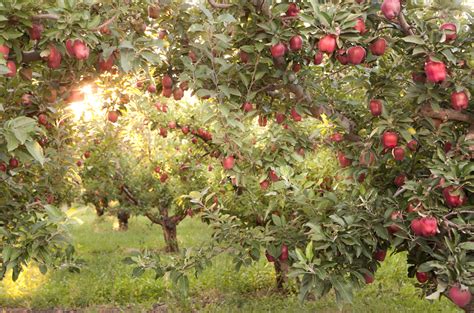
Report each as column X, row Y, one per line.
column 106, row 285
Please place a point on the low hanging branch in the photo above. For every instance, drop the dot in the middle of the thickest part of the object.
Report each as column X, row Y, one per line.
column 106, row 23
column 446, row 114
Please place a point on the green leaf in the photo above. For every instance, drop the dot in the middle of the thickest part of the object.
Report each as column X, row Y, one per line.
column 468, row 245
column 414, row 39
column 126, row 57
column 36, row 151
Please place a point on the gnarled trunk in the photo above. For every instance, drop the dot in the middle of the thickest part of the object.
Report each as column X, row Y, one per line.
column 281, row 271
column 123, row 220
column 169, row 233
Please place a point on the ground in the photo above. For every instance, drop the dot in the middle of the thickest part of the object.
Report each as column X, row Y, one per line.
column 105, row 282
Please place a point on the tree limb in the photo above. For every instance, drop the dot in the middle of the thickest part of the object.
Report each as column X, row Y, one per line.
column 404, row 24
column 446, row 114
column 106, row 23
column 49, row 16
column 216, row 5
column 153, row 218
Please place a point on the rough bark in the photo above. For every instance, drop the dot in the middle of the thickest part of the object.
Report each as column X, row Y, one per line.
column 281, row 271
column 123, row 220
column 169, row 226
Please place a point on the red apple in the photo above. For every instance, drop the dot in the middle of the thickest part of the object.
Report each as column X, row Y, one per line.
column 293, row 10
column 367, row 158
column 79, row 163
column 105, row 30
column 398, row 153
column 12, row 69
column 247, row 107
column 412, row 145
column 341, row 56
column 422, row 277
column 356, row 55
column 296, row 43
column 435, row 71
column 318, row 58
column 369, row 278
column 172, row 125
column 336, row 137
column 454, row 196
column 178, row 94
column 113, row 116
column 87, row 154
column 327, row 44
column 380, row 255
column 375, row 107
column 343, row 160
column 42, row 119
column 54, row 58
column 459, row 100
column 278, row 50
column 75, row 95
column 360, row 25
column 280, row 117
column 284, row 253
column 167, row 82
column 447, row 147
column 163, row 177
column 378, row 46
column 460, row 297
column 81, row 51
column 424, row 226
column 185, row 130
column 296, row 117
column 395, row 216
column 264, row 184
column 389, row 139
column 3, row 167
column 270, row 258
column 151, row 88
column 166, row 92
column 14, row 163
column 400, row 180
column 5, row 51
column 296, row 67
column 262, row 121
column 35, row 31
column 449, row 30
column 27, row 99
column 273, row 176
column 391, row 8
column 157, row 169
column 244, row 57
column 106, row 65
column 163, row 132
column 228, row 162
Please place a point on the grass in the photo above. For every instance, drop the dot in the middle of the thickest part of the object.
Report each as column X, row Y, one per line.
column 106, row 282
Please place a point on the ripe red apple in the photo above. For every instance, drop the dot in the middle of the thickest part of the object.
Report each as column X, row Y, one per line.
column 270, row 258
column 27, row 99
column 113, row 116
column 162, row 34
column 296, row 43
column 369, row 278
column 278, row 50
column 414, row 207
column 79, row 163
column 105, row 30
column 80, row 50
column 422, row 277
column 360, row 25
column 35, row 31
column 367, row 158
column 296, row 67
column 185, row 130
column 395, row 216
column 12, row 69
column 3, row 167
column 449, row 30
column 341, row 56
column 157, row 169
column 172, row 125
column 153, row 11
column 264, row 184
column 284, row 253
column 327, row 44
column 343, row 160
column 42, row 119
column 356, row 55
column 192, row 55
column 454, row 196
column 424, row 226
column 459, row 100
column 163, row 132
column 400, row 180
column 418, row 77
column 435, row 71
column 412, row 145
column 228, row 162
column 336, row 137
column 296, row 117
column 460, row 297
column 87, row 154
column 166, row 92
column 75, row 95
column 151, row 88
column 13, row 163
column 54, row 58
column 262, row 121
column 244, row 57
column 447, row 147
column 5, row 51
column 163, row 177
column 375, row 107
column 247, row 107
column 380, row 255
column 389, row 139
column 391, row 8
column 398, row 153
column 280, row 117
column 318, row 58
column 178, row 94
column 378, row 46
column 167, row 82
column 106, row 65
column 292, row 10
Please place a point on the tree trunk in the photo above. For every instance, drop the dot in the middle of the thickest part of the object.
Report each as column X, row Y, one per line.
column 99, row 210
column 281, row 271
column 123, row 220
column 169, row 233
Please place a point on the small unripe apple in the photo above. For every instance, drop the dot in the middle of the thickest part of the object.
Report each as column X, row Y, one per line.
column 228, row 162
column 296, row 117
column 113, row 116
column 13, row 163
column 292, row 10
column 391, row 8
column 35, row 31
column 247, row 107
column 327, row 44
column 449, row 30
column 435, row 71
column 398, row 153
column 318, row 58
column 360, row 25
column 278, row 50
column 296, row 43
column 356, row 55
column 459, row 100
column 389, row 139
column 378, row 46
column 5, row 51
column 422, row 277
column 11, row 69
column 167, row 81
column 460, row 297
column 375, row 107
column 343, row 160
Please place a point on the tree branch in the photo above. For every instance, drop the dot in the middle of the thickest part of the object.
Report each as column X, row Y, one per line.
column 106, row 23
column 216, row 5
column 404, row 24
column 153, row 218
column 446, row 114
column 49, row 16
